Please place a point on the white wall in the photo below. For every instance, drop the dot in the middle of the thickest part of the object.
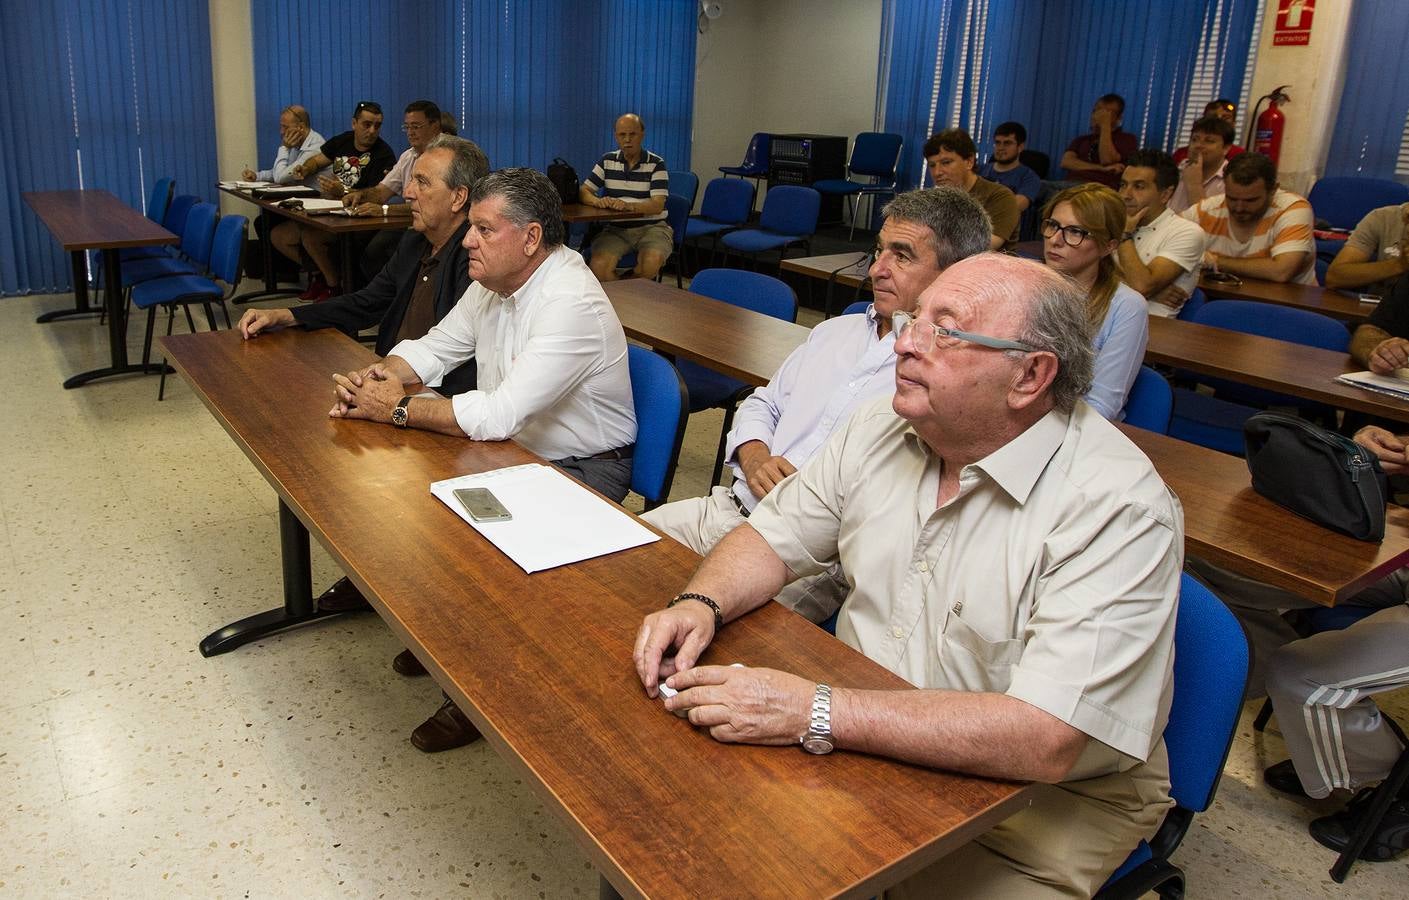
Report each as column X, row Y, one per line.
column 783, row 66
column 232, row 69
column 1316, row 75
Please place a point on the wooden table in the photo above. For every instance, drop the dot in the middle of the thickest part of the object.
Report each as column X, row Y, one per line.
column 96, row 220
column 542, row 663
column 340, row 226
column 1228, row 523
column 1295, row 369
column 1310, row 297
column 738, row 342
column 581, row 212
column 849, row 270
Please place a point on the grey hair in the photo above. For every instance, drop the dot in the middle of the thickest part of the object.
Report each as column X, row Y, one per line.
column 468, row 163
column 528, row 197
column 1057, row 322
column 959, row 224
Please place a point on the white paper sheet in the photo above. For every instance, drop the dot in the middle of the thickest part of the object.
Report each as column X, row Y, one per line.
column 555, row 521
column 1382, row 384
column 246, row 185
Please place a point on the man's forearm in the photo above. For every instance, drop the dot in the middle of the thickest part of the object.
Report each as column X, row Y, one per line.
column 1352, row 275
column 587, row 195
column 1074, row 163
column 741, row 573
column 1364, row 341
column 433, row 414
column 1277, row 268
column 1106, row 150
column 648, row 207
column 978, row 733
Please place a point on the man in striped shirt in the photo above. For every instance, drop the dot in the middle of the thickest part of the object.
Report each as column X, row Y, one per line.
column 1255, row 229
column 630, row 178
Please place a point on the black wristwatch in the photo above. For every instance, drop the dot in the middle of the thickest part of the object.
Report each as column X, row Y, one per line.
column 400, row 415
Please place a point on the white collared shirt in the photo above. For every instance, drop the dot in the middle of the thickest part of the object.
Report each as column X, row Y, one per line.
column 395, row 180
column 843, row 364
column 550, row 359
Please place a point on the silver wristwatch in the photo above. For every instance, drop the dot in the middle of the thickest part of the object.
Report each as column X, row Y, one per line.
column 818, row 738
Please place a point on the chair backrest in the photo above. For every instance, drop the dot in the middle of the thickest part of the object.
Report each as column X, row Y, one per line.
column 662, row 408
column 860, row 306
column 1344, row 201
column 875, row 154
column 227, row 249
column 1283, row 323
column 1210, row 678
column 728, row 200
column 198, row 233
column 1150, row 403
column 751, row 290
column 1192, row 306
column 677, row 216
column 175, row 219
column 1037, row 161
column 159, row 199
column 685, row 184
column 756, row 156
column 791, row 209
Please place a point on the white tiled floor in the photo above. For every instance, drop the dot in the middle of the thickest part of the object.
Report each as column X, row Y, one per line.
column 130, row 766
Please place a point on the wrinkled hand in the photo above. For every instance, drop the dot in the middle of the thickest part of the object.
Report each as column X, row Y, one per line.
column 1388, row 355
column 331, row 187
column 370, row 393
column 1388, row 449
column 743, row 705
column 352, row 198
column 1171, row 295
column 249, row 175
column 255, row 321
column 763, row 476
column 615, row 203
column 687, row 628
column 365, row 209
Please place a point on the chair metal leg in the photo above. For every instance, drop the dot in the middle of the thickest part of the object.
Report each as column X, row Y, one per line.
column 854, row 205
column 729, row 408
column 147, row 343
column 209, row 315
column 1379, row 804
column 190, row 319
column 1263, row 716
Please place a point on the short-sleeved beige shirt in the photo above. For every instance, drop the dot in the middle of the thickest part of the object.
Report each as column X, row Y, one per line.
column 1378, row 236
column 1052, row 576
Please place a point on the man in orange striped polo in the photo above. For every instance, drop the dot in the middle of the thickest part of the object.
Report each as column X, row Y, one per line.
column 1255, row 229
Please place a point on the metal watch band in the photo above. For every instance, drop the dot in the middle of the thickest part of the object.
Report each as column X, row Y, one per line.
column 718, row 613
column 821, row 711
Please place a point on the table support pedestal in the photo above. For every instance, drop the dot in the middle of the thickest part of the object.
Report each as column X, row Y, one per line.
column 79, row 258
column 299, row 605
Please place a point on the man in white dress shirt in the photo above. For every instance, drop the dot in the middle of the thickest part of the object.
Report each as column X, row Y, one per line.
column 1013, row 556
column 1160, row 253
column 846, row 362
column 550, row 358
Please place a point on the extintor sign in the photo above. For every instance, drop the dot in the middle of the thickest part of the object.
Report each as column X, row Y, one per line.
column 1293, row 23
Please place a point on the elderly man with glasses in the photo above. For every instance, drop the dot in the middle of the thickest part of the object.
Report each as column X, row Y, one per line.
column 1010, row 553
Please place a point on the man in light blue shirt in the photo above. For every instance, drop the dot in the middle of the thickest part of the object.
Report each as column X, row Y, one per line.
column 845, row 363
column 298, row 142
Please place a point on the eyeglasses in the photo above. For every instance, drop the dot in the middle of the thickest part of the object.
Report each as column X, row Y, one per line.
column 370, row 105
column 1072, row 234
column 925, row 335
column 414, row 126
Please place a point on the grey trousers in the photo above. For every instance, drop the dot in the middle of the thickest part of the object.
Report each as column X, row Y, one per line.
column 1321, row 688
column 701, row 522
column 610, row 477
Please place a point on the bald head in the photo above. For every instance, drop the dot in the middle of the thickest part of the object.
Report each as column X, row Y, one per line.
column 297, row 113
column 629, row 134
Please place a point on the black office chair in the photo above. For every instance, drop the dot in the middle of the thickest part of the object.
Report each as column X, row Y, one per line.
column 1037, row 161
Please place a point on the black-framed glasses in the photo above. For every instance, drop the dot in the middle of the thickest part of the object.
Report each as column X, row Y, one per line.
column 1073, row 235
column 370, row 106
column 925, row 335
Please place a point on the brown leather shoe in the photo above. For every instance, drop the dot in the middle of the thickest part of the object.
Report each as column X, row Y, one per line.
column 445, row 730
column 406, row 663
column 343, row 596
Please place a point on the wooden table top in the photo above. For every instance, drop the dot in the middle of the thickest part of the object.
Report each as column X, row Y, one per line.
column 542, row 663
column 1230, row 524
column 581, row 212
column 738, row 342
column 1309, row 297
column 398, row 215
column 1306, row 372
column 95, row 220
column 850, row 267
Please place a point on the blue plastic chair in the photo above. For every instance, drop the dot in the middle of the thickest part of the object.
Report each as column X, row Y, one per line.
column 860, row 306
column 226, row 263
column 173, row 220
column 685, row 184
column 874, row 157
column 1217, row 421
column 755, row 164
column 789, row 217
column 1210, row 679
column 1192, row 306
column 1150, row 404
column 194, row 255
column 159, row 199
column 727, row 205
column 662, row 409
column 677, row 213
column 710, row 389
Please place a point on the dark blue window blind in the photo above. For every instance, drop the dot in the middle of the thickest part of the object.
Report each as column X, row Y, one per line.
column 1373, row 124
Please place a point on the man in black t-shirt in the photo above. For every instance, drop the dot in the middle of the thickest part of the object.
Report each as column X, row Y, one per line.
column 1382, row 343
column 359, row 159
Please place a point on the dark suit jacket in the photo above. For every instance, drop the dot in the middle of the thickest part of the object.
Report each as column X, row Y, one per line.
column 383, row 301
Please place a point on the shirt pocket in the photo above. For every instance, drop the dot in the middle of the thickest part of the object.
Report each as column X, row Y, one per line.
column 969, row 661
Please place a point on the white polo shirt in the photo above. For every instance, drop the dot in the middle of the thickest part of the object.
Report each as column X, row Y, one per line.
column 1177, row 240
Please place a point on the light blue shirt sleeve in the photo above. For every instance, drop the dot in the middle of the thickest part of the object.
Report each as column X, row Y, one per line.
column 1120, row 349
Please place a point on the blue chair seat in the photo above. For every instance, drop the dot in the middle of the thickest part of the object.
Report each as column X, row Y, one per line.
column 708, row 388
column 140, row 270
column 178, row 287
column 1209, row 421
column 838, row 186
column 1141, row 855
column 130, row 254
column 698, row 227
column 753, row 240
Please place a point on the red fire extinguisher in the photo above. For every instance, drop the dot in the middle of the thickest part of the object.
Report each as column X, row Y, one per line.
column 1268, row 127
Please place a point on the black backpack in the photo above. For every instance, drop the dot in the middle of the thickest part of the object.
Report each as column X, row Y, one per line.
column 564, row 178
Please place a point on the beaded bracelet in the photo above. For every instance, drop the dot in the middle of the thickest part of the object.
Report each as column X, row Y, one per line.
column 718, row 613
